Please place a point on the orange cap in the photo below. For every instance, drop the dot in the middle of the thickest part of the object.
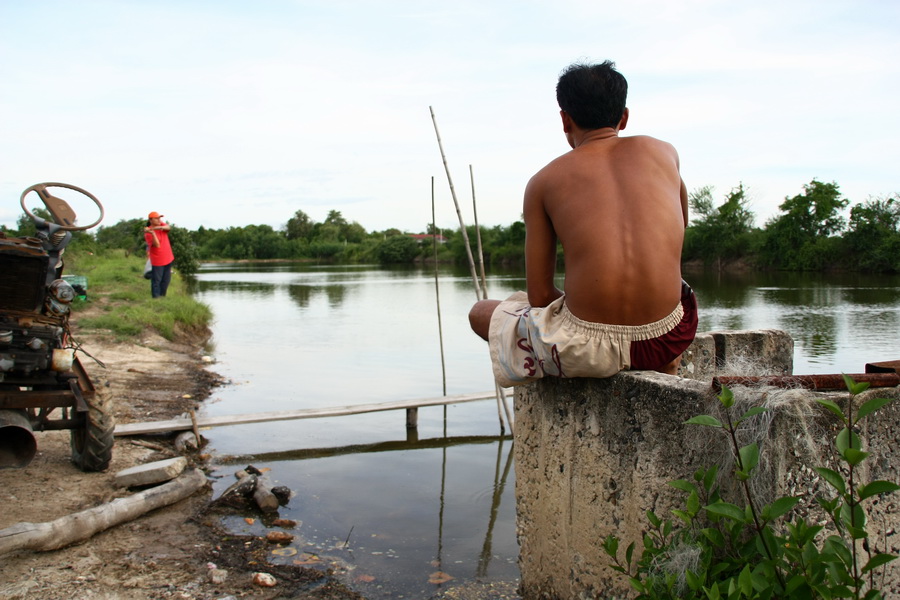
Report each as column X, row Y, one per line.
column 154, row 215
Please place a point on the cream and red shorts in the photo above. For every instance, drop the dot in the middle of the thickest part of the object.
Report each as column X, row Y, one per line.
column 528, row 343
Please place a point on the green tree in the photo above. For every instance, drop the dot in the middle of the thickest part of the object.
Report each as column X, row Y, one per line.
column 397, row 249
column 300, row 226
column 802, row 237
column 187, row 255
column 721, row 232
column 873, row 236
column 127, row 235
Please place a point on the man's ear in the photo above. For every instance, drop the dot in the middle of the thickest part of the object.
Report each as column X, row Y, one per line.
column 566, row 121
column 623, row 121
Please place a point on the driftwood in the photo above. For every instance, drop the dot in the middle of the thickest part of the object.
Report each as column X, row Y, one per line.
column 80, row 526
column 263, row 496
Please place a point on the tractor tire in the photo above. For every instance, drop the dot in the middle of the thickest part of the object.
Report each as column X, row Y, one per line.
column 92, row 443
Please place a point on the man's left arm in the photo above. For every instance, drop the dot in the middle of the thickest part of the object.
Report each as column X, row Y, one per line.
column 540, row 250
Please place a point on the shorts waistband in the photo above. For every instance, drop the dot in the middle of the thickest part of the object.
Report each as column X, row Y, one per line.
column 631, row 332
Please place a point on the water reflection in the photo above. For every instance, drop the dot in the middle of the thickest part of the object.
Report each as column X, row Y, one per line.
column 397, row 524
column 442, row 499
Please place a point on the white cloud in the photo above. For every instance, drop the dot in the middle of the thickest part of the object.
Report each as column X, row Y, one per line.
column 226, row 114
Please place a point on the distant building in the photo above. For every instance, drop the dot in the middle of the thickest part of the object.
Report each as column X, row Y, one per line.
column 427, row 237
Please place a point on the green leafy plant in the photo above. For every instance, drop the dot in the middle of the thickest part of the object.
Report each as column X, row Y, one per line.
column 715, row 549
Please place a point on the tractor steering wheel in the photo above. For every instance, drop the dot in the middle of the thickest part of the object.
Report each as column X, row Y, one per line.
column 63, row 215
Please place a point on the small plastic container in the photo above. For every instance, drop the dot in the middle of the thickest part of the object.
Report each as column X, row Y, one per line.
column 79, row 283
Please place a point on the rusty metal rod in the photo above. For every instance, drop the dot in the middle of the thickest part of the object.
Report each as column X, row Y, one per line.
column 809, row 382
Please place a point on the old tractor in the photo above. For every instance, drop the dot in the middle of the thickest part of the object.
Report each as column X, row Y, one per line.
column 43, row 385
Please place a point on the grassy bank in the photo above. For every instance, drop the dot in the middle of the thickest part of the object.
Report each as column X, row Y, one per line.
column 118, row 298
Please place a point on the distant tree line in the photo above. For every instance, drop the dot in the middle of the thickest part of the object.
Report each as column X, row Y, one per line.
column 810, row 233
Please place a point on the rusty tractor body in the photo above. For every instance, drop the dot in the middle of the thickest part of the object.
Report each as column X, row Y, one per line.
column 43, row 384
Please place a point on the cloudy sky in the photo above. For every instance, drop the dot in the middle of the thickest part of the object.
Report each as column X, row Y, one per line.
column 227, row 113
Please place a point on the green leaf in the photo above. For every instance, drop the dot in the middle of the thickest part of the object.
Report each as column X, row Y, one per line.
column 855, row 388
column 725, row 509
column 709, row 478
column 833, row 478
column 753, row 412
column 830, row 405
column 854, row 456
column 877, row 561
column 654, row 520
column 714, row 536
column 847, row 439
column 871, row 406
column 683, row 485
column 706, row 420
column 779, row 507
column 684, row 516
column 693, row 504
column 854, row 518
column 726, row 397
column 611, row 545
column 692, row 580
column 749, row 457
column 745, row 581
column 629, row 553
column 877, row 487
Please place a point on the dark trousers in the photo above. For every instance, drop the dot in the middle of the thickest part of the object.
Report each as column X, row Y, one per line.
column 159, row 280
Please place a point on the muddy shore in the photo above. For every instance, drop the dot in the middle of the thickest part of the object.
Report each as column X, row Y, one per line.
column 163, row 554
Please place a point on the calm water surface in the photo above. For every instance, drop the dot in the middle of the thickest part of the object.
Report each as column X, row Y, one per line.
column 396, row 509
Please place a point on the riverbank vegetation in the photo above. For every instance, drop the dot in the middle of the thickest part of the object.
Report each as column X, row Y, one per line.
column 816, row 230
column 116, row 286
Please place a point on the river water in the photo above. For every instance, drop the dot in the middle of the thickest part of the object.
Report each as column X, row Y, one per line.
column 403, row 512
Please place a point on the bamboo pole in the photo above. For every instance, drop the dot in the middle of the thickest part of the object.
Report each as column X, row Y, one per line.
column 478, row 236
column 437, row 294
column 501, row 395
column 462, row 225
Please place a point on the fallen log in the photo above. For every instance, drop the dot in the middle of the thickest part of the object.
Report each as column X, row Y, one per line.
column 82, row 525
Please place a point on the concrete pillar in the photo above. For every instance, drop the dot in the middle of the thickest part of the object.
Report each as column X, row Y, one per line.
column 594, row 455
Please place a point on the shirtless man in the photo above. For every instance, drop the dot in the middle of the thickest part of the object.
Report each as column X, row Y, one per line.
column 619, row 208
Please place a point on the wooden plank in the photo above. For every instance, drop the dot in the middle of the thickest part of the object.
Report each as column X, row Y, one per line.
column 287, row 415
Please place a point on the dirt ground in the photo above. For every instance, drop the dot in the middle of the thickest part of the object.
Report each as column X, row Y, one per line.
column 162, row 554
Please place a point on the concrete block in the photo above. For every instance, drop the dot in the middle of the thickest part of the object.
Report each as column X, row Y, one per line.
column 593, row 456
column 755, row 352
column 151, row 473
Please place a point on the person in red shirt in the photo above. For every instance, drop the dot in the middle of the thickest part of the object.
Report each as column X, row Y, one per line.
column 156, row 234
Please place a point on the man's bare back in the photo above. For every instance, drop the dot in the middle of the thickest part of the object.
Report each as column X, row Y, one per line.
column 619, row 208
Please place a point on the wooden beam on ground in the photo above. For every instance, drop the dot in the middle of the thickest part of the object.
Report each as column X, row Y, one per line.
column 287, row 415
column 80, row 526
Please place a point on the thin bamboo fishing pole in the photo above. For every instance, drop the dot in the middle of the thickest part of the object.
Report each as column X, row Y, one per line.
column 437, row 293
column 462, row 225
column 501, row 395
column 478, row 236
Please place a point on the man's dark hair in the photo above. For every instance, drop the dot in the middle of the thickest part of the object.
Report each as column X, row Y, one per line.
column 593, row 95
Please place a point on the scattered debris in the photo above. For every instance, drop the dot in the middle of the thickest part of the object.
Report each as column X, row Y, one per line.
column 264, row 580
column 279, row 537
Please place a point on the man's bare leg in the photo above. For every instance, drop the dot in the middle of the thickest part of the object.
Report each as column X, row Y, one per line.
column 480, row 317
column 672, row 367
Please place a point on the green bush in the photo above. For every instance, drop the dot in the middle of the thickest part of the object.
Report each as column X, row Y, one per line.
column 720, row 550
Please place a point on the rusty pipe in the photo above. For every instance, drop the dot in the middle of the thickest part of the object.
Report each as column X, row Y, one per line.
column 808, row 382
column 17, row 443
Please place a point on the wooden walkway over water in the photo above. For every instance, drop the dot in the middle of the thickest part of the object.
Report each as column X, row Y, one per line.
column 186, row 424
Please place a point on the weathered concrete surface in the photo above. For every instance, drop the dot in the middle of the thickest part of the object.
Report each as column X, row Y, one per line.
column 594, row 455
